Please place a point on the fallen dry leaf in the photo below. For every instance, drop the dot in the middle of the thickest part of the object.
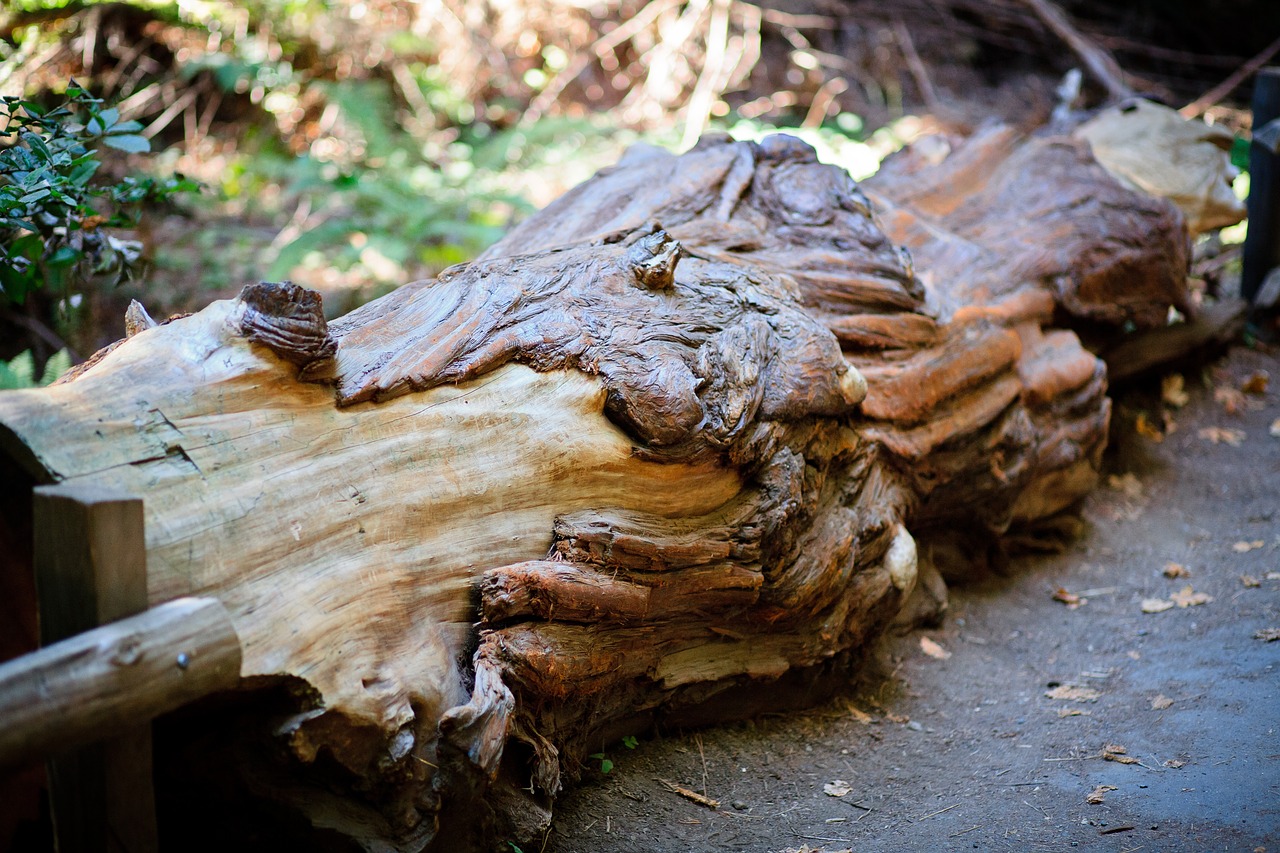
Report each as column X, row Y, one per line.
column 1173, row 391
column 1245, row 547
column 1127, row 484
column 1273, row 576
column 896, row 718
column 1274, row 430
column 1069, row 598
column 1071, row 693
column 836, row 788
column 1115, row 752
column 1174, row 763
column 1222, row 435
column 1267, row 635
column 1145, row 428
column 1176, row 570
column 1233, row 402
column 1256, row 383
column 1250, row 582
column 1187, row 597
column 1097, row 794
column 1161, row 702
column 1156, row 605
column 859, row 714
column 1073, row 712
column 933, row 650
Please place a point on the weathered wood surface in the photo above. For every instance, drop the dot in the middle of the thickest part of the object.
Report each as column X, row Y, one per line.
column 110, row 678
column 691, row 426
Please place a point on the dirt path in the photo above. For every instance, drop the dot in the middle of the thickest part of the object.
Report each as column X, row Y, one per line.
column 970, row 751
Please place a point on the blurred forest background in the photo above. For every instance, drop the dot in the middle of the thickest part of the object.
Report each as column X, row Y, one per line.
column 354, row 145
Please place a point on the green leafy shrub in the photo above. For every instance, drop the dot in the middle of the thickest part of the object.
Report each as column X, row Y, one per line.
column 54, row 219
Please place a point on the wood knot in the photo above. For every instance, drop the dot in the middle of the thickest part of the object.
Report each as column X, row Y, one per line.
column 653, row 260
column 286, row 319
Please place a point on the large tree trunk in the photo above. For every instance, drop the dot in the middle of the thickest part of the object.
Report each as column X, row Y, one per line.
column 689, row 428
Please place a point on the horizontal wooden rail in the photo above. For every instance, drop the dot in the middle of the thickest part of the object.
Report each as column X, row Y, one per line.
column 94, row 684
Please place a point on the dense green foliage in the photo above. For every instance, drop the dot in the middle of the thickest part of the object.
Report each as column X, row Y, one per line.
column 55, row 220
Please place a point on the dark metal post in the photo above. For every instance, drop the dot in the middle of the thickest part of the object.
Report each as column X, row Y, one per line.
column 1262, row 243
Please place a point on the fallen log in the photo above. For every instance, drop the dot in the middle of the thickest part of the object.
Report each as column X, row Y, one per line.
column 696, row 425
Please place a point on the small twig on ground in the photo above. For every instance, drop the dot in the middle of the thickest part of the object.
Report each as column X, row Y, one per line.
column 964, row 831
column 1101, row 64
column 691, row 795
column 938, row 812
column 1114, row 829
column 1227, row 86
column 703, row 756
column 822, row 838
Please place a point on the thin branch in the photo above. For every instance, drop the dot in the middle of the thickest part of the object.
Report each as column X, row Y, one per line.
column 704, row 92
column 557, row 84
column 1100, row 63
column 918, row 72
column 1226, row 87
column 820, row 106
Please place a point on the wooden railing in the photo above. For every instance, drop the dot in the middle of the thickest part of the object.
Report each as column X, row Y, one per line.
column 107, row 667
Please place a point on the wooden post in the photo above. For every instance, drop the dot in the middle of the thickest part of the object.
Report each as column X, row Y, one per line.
column 91, row 569
column 1262, row 242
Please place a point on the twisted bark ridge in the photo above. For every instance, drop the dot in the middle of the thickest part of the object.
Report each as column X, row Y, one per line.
column 694, row 425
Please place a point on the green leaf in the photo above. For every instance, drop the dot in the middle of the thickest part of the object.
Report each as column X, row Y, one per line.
column 606, row 765
column 514, row 847
column 33, row 197
column 37, row 145
column 14, row 284
column 19, row 372
column 19, row 223
column 630, row 741
column 64, row 256
column 1240, row 153
column 58, row 364
column 109, row 117
column 29, row 246
column 129, row 142
column 81, row 173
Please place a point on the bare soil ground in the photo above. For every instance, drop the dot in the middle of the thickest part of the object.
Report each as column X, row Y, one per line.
column 1171, row 720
